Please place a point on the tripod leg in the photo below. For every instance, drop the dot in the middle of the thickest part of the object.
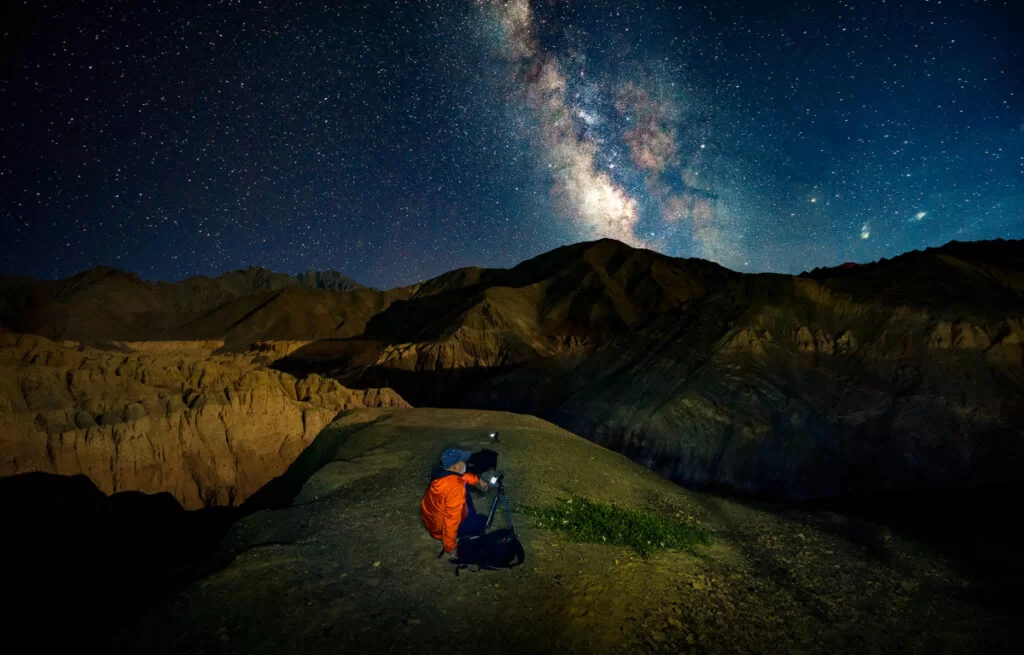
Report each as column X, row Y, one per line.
column 508, row 513
column 490, row 515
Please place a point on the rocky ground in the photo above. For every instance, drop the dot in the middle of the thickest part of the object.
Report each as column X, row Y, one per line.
column 339, row 562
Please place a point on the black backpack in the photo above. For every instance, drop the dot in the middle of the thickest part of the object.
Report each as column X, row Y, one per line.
column 499, row 549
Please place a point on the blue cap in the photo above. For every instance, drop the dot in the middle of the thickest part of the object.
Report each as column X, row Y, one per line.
column 453, row 455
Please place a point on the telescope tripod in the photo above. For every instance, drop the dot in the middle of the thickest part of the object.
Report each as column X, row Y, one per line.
column 494, row 505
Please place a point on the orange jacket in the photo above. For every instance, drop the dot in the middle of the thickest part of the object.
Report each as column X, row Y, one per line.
column 444, row 505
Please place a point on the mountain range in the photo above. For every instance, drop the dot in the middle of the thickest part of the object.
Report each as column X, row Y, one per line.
column 900, row 374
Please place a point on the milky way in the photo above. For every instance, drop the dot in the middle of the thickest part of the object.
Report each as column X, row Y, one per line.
column 395, row 141
column 587, row 195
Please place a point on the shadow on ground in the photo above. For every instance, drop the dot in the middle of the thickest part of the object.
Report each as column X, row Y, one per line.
column 975, row 529
column 78, row 563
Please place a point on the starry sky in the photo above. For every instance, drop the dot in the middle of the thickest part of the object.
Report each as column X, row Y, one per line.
column 393, row 141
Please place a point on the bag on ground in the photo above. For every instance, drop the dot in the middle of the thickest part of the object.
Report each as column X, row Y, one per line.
column 499, row 549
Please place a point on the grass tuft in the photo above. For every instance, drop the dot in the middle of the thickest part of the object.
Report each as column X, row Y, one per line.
column 587, row 521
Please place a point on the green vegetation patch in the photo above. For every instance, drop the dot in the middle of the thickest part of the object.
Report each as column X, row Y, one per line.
column 592, row 522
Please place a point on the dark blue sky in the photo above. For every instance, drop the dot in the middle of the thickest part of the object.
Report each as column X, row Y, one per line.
column 395, row 141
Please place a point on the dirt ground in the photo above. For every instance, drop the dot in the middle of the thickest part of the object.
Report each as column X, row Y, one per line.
column 343, row 564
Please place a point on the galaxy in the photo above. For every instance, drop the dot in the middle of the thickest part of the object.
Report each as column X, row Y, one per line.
column 393, row 141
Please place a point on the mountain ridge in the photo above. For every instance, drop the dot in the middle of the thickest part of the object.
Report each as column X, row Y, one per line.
column 906, row 372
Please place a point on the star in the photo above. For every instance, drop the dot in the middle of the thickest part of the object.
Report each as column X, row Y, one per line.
column 416, row 137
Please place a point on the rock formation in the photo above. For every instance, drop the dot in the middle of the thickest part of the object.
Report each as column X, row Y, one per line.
column 210, row 429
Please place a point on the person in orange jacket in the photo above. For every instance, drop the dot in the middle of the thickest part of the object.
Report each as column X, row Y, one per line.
column 447, row 510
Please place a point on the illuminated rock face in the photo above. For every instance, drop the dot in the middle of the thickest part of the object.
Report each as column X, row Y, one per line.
column 151, row 417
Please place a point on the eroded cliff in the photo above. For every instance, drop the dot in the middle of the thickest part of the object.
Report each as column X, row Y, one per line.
column 209, row 428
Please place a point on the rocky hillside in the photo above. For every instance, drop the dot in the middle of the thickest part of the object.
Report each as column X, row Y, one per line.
column 155, row 416
column 906, row 373
column 800, row 387
column 544, row 316
column 339, row 547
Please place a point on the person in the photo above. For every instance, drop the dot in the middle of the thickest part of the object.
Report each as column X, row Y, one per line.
column 447, row 509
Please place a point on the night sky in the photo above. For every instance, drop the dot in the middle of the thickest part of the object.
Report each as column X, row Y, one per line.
column 393, row 141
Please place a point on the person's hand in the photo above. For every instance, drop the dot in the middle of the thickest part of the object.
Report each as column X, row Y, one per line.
column 482, row 486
